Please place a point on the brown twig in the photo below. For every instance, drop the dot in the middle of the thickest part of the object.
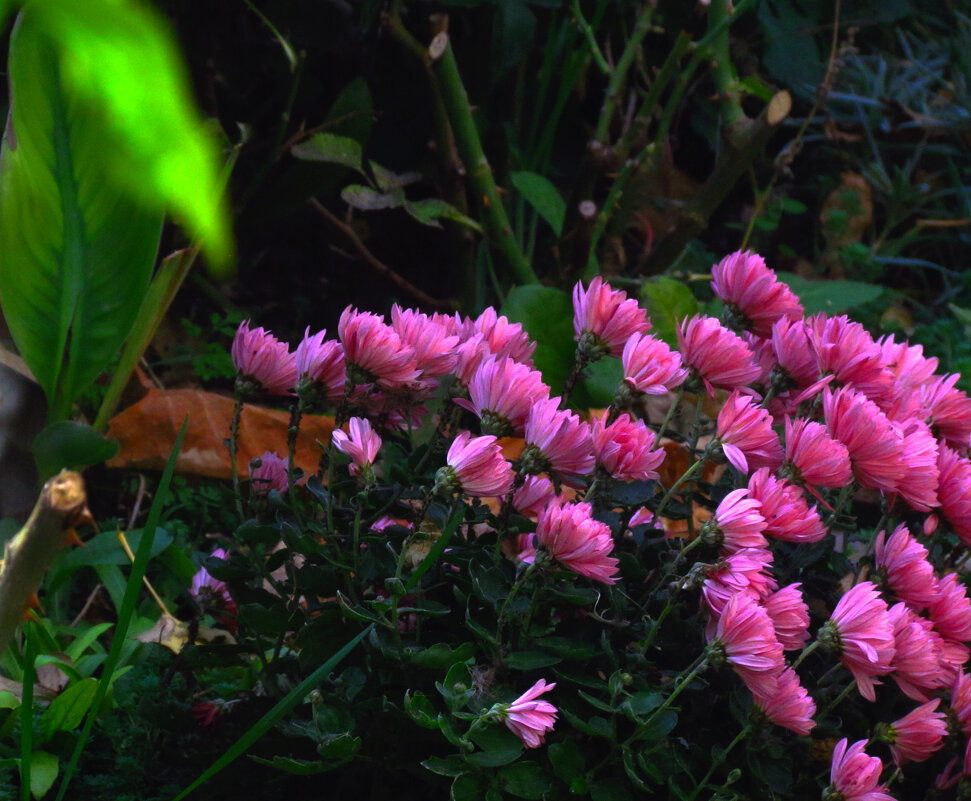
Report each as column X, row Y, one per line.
column 376, row 264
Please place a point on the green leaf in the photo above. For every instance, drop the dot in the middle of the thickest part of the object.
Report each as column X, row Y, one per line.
column 567, row 761
column 445, row 766
column 831, row 297
column 69, row 708
column 81, row 643
column 540, row 193
column 298, row 767
column 530, row 660
column 525, row 780
column 601, row 381
column 457, row 688
column 468, row 787
column 668, row 302
column 8, row 700
column 330, row 148
column 43, row 772
column 547, row 315
column 70, row 444
column 152, row 140
column 430, row 211
column 78, row 249
column 499, row 747
column 366, row 199
column 442, row 655
column 104, row 549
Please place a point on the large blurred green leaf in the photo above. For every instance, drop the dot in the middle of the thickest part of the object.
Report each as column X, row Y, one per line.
column 77, row 252
column 547, row 315
column 120, row 64
column 831, row 297
column 70, row 444
column 668, row 302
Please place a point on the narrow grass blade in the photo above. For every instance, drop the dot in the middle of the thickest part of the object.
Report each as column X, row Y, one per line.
column 27, row 711
column 284, row 705
column 127, row 611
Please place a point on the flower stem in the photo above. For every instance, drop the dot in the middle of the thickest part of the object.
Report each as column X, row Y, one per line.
column 806, row 652
column 233, row 447
column 838, row 699
column 700, row 664
column 671, row 410
column 689, row 473
column 719, row 760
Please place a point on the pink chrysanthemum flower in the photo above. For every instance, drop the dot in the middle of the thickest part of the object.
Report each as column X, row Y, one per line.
column 787, row 514
column 573, row 538
column 917, row 654
column 754, row 297
column 475, row 466
column 604, row 319
column 950, row 411
column 208, row 590
column 504, row 338
column 270, row 475
column 919, row 457
column 861, row 631
column 650, row 366
column 642, row 517
column 954, row 491
column 961, row 702
column 951, row 609
column 361, row 445
column 846, row 350
column 736, row 524
column 907, row 363
column 432, row 343
column 814, row 457
column 745, row 571
column 528, row 718
column 374, row 351
column 790, row 616
column 557, row 440
column 874, row 443
column 625, row 449
column 796, row 366
column 745, row 638
column 854, row 776
column 719, row 357
column 917, row 735
column 320, row 366
column 502, row 392
column 903, row 564
column 260, row 358
column 790, row 706
column 533, row 496
column 746, row 436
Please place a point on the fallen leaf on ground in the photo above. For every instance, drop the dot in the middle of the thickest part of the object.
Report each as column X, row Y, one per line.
column 147, row 432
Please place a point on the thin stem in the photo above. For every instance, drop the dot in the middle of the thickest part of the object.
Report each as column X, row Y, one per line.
column 619, row 74
column 652, row 635
column 148, row 585
column 838, row 699
column 806, row 652
column 233, row 448
column 697, row 667
column 720, row 760
column 671, row 410
column 689, row 473
column 591, row 37
column 494, row 217
column 513, row 592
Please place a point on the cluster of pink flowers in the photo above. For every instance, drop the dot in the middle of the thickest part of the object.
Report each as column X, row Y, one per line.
column 856, row 413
